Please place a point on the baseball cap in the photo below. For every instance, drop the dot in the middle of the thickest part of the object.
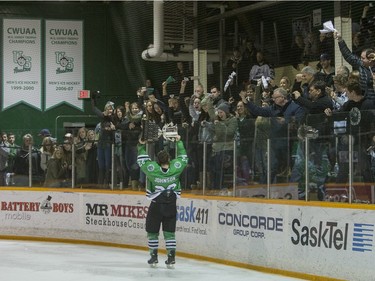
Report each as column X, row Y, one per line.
column 45, row 133
column 325, row 56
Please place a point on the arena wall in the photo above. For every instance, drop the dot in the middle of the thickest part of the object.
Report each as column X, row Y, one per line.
column 319, row 241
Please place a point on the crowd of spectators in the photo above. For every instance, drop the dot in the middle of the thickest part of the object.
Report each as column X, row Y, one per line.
column 323, row 104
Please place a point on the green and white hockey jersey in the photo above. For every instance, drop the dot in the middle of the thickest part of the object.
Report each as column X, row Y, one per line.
column 158, row 181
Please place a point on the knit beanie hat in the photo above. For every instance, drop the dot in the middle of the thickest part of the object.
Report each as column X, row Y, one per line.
column 109, row 104
column 224, row 107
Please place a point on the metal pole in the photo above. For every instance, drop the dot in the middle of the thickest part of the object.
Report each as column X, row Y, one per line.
column 112, row 164
column 221, row 50
column 187, row 149
column 276, row 42
column 268, row 168
column 151, row 156
column 235, row 40
column 262, row 36
column 73, row 165
column 307, row 148
column 30, row 167
column 288, row 141
column 204, row 166
column 234, row 167
column 253, row 146
column 350, row 168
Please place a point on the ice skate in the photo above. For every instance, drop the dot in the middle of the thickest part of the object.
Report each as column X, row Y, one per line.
column 154, row 259
column 171, row 260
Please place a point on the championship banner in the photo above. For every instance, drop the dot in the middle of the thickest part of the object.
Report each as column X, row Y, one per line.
column 64, row 63
column 21, row 62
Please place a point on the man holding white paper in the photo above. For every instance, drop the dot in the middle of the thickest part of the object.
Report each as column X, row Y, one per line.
column 365, row 65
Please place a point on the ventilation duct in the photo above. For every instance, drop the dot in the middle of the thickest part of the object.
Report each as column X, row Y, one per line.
column 156, row 51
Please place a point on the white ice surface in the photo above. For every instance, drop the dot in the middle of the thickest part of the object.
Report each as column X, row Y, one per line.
column 39, row 261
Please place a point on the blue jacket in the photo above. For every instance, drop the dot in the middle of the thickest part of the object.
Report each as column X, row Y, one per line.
column 280, row 116
column 314, row 111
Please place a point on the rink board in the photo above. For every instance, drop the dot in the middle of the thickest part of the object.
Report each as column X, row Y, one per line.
column 315, row 239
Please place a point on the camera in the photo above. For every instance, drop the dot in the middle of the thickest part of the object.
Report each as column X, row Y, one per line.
column 309, row 132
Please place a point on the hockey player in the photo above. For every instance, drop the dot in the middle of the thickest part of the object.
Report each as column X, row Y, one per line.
column 163, row 189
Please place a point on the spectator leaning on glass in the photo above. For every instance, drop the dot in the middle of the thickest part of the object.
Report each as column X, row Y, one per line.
column 282, row 112
column 205, row 132
column 13, row 151
column 4, row 152
column 106, row 138
column 21, row 162
column 225, row 128
column 80, row 155
column 355, row 102
column 133, row 129
column 246, row 131
column 314, row 107
column 46, row 152
column 56, row 169
column 91, row 162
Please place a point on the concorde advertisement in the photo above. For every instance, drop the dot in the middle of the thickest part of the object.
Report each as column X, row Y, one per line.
column 22, row 63
column 64, row 63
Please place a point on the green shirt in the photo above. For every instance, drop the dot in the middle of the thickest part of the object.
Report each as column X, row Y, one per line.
column 158, row 180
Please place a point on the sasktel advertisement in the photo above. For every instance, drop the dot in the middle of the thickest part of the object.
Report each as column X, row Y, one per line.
column 324, row 241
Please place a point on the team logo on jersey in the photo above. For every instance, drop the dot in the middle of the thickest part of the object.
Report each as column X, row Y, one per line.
column 177, row 165
column 150, row 168
column 184, row 159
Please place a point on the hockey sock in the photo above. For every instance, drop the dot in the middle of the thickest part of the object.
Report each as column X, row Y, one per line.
column 170, row 241
column 153, row 241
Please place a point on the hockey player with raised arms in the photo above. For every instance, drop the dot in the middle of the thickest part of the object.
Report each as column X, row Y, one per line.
column 163, row 189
